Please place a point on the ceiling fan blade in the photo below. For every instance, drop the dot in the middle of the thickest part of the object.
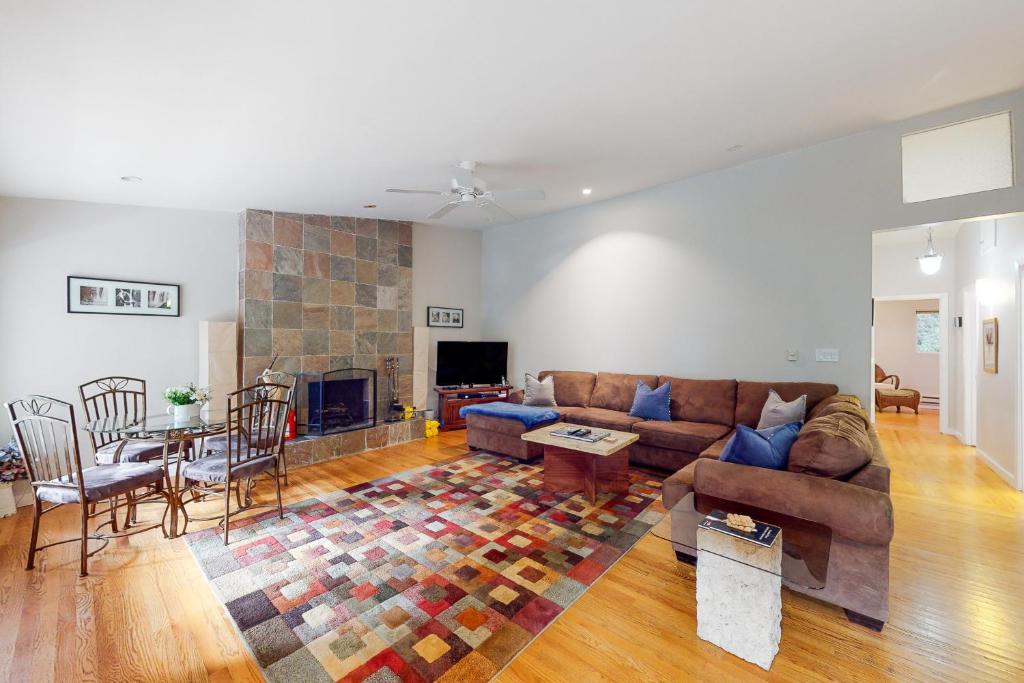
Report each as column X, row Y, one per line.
column 444, row 210
column 496, row 212
column 515, row 195
column 432, row 192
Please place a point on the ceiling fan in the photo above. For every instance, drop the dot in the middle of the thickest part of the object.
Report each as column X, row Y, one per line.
column 469, row 191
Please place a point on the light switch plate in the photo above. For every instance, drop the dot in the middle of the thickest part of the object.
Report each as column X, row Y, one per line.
column 826, row 355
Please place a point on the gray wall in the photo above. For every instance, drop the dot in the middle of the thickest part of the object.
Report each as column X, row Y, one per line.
column 718, row 275
column 45, row 350
column 447, row 274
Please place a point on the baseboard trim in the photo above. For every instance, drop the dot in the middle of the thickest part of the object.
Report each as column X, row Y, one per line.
column 1003, row 473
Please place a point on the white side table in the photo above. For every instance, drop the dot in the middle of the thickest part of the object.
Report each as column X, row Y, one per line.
column 739, row 595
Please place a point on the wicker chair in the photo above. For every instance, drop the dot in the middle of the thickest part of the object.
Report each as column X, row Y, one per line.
column 47, row 435
column 881, row 377
column 257, row 417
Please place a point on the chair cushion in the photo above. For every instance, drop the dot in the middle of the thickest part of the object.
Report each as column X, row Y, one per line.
column 134, row 451
column 614, row 391
column 599, row 417
column 104, row 481
column 213, row 468
column 571, row 388
column 680, row 435
column 220, row 443
column 677, row 486
column 831, row 446
column 702, row 400
column 652, row 404
column 750, row 397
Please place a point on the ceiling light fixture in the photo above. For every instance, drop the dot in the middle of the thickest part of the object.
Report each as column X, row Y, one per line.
column 930, row 261
column 586, row 191
column 369, row 206
column 131, row 179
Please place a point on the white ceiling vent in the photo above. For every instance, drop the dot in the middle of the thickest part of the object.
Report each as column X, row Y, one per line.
column 959, row 158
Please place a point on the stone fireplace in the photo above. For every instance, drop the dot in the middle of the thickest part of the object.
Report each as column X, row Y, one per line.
column 324, row 294
column 337, row 401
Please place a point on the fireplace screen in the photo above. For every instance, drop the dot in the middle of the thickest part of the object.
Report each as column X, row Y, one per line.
column 339, row 401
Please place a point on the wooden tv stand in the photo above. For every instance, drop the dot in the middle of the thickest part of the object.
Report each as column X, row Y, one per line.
column 449, row 403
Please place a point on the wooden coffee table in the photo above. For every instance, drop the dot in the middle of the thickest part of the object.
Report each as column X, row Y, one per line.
column 573, row 465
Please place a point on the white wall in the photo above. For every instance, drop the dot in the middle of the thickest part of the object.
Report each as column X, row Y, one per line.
column 45, row 350
column 896, row 345
column 718, row 275
column 996, row 401
column 446, row 272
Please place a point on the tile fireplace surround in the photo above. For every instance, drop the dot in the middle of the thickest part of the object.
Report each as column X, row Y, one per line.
column 325, row 293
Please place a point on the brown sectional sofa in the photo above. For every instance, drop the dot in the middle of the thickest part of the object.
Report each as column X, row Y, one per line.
column 855, row 506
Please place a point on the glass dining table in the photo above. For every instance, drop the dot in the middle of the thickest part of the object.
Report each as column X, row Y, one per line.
column 182, row 440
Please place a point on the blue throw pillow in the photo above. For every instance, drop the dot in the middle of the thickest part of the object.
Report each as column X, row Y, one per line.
column 767, row 447
column 652, row 404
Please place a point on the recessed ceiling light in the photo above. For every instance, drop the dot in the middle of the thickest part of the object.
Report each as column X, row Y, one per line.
column 131, row 179
column 734, row 148
column 369, row 206
column 586, row 191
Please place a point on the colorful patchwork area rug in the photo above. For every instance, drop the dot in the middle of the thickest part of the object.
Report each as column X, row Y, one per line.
column 443, row 572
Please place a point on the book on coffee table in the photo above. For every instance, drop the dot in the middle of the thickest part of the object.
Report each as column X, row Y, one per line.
column 594, row 436
column 763, row 534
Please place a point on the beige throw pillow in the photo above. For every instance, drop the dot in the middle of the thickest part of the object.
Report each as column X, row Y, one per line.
column 778, row 412
column 539, row 393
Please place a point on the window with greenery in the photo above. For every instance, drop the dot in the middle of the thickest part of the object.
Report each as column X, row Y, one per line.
column 927, row 331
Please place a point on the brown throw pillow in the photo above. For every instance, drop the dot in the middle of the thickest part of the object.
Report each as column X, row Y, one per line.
column 845, row 408
column 832, row 400
column 832, row 446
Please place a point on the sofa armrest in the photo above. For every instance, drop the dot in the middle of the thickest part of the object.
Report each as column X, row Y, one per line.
column 854, row 512
column 516, row 396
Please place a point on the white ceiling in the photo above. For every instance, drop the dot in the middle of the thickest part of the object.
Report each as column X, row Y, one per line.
column 319, row 106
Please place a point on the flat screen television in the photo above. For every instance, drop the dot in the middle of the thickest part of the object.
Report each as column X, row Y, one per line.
column 460, row 363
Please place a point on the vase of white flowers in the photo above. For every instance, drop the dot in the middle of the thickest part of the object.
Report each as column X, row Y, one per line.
column 186, row 401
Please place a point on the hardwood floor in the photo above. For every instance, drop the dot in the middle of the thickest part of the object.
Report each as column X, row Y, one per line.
column 957, row 598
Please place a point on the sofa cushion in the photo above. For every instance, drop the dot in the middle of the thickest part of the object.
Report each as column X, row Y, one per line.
column 676, row 487
column 831, row 446
column 652, row 404
column 842, row 407
column 681, row 435
column 599, row 417
column 614, row 391
column 751, row 396
column 702, row 400
column 571, row 388
column 826, row 402
column 716, row 449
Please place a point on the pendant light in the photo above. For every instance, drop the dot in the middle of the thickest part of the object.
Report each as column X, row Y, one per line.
column 930, row 261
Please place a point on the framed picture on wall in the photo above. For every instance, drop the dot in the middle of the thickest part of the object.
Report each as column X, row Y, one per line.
column 438, row 316
column 122, row 297
column 990, row 345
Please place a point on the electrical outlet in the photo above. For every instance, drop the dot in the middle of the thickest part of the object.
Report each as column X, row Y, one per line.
column 792, row 355
column 826, row 355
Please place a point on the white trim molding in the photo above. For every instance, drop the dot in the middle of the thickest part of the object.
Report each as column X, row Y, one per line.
column 1004, row 474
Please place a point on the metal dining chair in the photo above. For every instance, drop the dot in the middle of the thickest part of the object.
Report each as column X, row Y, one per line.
column 47, row 435
column 278, row 378
column 256, row 420
column 110, row 397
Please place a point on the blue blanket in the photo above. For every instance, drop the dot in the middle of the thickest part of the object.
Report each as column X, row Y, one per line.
column 530, row 416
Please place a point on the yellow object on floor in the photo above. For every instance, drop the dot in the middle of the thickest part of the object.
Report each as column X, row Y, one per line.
column 430, row 428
